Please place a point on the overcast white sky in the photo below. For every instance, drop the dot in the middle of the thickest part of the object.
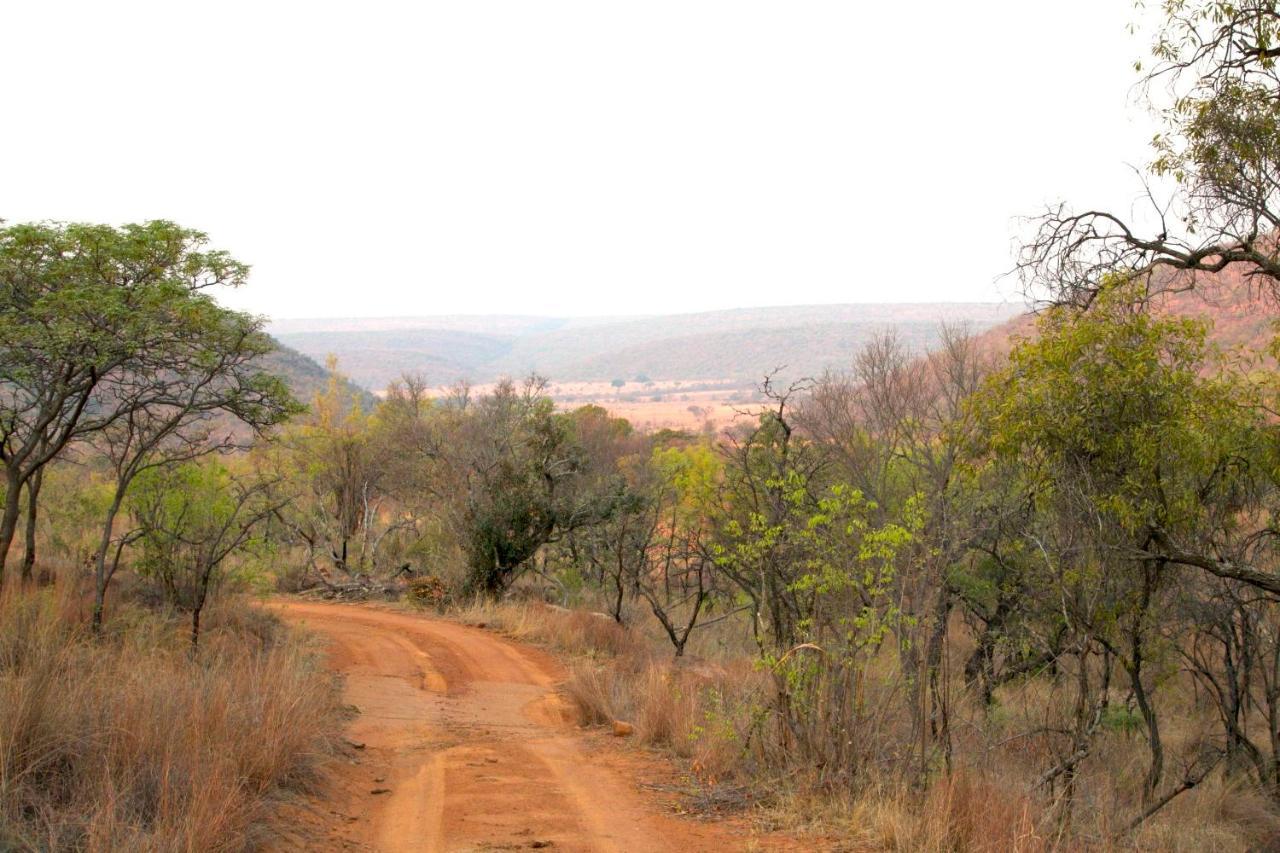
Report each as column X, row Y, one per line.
column 539, row 156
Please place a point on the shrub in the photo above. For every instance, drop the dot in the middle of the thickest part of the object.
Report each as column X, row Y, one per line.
column 427, row 591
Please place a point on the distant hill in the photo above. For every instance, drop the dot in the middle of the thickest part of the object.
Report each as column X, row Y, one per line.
column 738, row 345
column 304, row 376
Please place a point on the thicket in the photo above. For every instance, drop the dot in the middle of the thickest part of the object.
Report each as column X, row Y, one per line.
column 928, row 575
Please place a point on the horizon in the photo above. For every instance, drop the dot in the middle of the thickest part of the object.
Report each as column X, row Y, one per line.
column 405, row 318
column 576, row 159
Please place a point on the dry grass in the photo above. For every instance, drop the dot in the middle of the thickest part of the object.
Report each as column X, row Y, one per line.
column 128, row 743
column 698, row 709
column 707, row 714
column 715, row 714
column 965, row 812
column 574, row 632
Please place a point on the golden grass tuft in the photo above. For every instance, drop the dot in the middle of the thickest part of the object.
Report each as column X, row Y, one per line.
column 127, row 742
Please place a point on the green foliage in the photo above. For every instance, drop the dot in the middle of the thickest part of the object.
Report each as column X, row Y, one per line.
column 530, row 476
column 183, row 512
column 1122, row 719
column 112, row 335
column 694, row 472
column 1126, row 406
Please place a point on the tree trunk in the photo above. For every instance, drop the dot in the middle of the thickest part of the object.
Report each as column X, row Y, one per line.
column 1137, row 660
column 938, row 676
column 33, row 497
column 1156, row 769
column 617, row 601
column 195, row 627
column 9, row 520
column 101, row 577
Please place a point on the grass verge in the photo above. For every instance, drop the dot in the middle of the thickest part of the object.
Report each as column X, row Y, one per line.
column 128, row 742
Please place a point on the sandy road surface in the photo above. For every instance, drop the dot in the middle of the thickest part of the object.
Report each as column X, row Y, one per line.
column 466, row 741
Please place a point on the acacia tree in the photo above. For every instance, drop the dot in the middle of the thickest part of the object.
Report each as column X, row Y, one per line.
column 79, row 305
column 197, row 395
column 1216, row 89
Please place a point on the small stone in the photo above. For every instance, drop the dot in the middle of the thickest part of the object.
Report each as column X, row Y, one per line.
column 380, row 791
column 621, row 729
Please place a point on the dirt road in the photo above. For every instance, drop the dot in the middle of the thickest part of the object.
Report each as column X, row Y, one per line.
column 466, row 746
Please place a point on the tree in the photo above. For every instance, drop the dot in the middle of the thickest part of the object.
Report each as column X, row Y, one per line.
column 79, row 306
column 1127, row 438
column 1216, row 89
column 191, row 397
column 680, row 581
column 517, row 472
column 190, row 518
column 896, row 427
column 773, row 482
column 819, row 571
column 339, row 467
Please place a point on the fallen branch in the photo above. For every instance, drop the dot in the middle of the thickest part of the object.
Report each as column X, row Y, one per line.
column 1188, row 782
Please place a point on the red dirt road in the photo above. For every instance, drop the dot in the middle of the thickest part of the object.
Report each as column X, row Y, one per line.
column 467, row 743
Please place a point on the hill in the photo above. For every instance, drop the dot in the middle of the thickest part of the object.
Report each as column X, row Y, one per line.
column 304, row 376
column 1242, row 316
column 737, row 345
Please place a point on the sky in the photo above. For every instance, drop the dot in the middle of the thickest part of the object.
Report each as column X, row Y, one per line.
column 575, row 158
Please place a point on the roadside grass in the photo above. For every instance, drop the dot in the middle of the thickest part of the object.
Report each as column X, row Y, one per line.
column 128, row 742
column 711, row 709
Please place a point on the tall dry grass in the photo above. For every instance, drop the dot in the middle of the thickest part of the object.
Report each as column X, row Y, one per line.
column 127, row 742
column 714, row 711
column 701, row 709
column 576, row 632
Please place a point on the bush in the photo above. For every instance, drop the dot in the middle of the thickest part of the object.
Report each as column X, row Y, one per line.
column 427, row 591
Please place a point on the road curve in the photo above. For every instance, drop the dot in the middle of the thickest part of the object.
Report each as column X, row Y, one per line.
column 466, row 743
